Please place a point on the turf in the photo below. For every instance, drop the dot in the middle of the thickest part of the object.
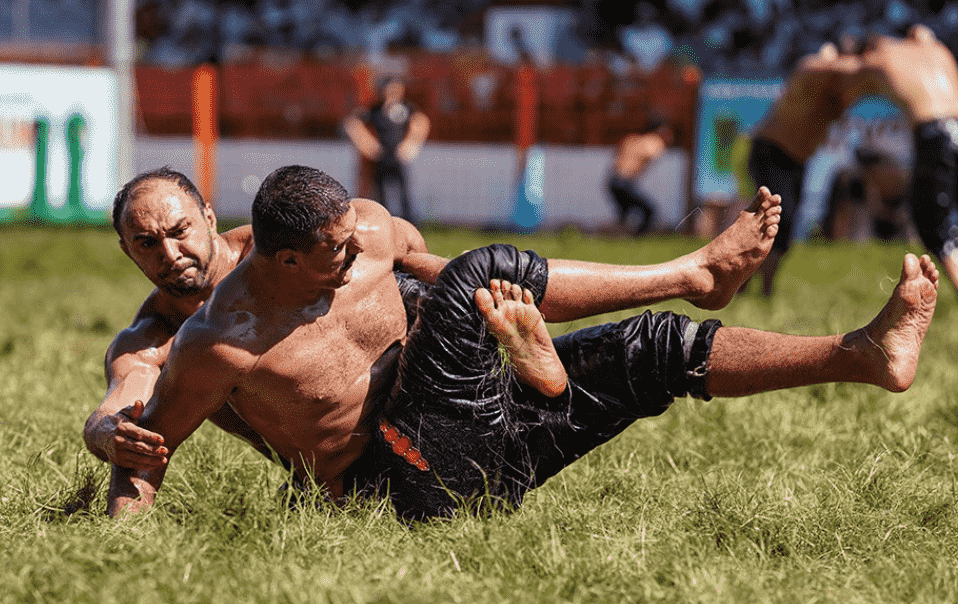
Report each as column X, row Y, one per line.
column 835, row 493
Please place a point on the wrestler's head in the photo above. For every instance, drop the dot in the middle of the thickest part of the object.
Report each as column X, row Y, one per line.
column 167, row 229
column 391, row 89
column 303, row 219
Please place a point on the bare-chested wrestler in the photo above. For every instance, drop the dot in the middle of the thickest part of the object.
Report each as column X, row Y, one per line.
column 169, row 231
column 633, row 155
column 300, row 339
column 919, row 73
column 815, row 95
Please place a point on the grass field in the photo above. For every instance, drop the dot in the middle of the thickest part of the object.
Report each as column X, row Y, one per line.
column 836, row 493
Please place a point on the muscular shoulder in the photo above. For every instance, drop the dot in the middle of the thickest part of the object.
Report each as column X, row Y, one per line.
column 375, row 224
column 215, row 339
column 387, row 236
column 239, row 240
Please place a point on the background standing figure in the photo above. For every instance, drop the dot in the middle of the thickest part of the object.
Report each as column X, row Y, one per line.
column 633, row 155
column 390, row 134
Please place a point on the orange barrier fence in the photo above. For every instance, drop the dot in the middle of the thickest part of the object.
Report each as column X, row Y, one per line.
column 468, row 97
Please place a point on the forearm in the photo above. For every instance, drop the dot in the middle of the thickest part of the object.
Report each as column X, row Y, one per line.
column 425, row 267
column 94, row 433
column 124, row 391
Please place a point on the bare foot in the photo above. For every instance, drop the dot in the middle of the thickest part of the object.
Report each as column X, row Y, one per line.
column 890, row 344
column 729, row 260
column 512, row 316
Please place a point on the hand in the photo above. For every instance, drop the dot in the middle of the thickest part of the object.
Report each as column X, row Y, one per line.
column 407, row 152
column 130, row 446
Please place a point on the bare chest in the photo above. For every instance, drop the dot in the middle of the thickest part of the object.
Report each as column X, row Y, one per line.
column 326, row 363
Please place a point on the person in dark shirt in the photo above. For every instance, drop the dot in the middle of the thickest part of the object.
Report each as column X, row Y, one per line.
column 390, row 134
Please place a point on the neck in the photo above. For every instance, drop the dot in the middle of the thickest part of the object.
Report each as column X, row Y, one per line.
column 271, row 282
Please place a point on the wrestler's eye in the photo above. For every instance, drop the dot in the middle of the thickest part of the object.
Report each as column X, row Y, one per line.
column 339, row 247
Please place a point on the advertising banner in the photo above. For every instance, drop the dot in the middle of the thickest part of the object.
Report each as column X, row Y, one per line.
column 729, row 109
column 58, row 143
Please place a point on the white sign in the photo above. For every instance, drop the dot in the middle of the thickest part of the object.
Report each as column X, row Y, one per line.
column 56, row 94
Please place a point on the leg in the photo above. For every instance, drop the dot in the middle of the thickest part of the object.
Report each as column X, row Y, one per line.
column 708, row 277
column 511, row 315
column 618, row 190
column 772, row 167
column 405, row 205
column 645, row 208
column 883, row 353
column 934, row 196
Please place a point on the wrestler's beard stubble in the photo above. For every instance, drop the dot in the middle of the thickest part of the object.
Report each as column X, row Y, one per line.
column 188, row 288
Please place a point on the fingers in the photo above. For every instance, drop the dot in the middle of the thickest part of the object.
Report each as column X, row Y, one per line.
column 134, row 411
column 138, row 461
column 129, row 429
column 138, row 449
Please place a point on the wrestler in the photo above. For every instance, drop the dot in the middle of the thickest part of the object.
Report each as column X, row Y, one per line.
column 919, row 73
column 633, row 155
column 301, row 338
column 169, row 231
column 815, row 95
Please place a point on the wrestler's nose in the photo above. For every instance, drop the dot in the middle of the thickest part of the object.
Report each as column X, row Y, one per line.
column 171, row 251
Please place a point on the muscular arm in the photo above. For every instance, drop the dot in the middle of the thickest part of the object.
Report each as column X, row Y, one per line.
column 411, row 255
column 194, row 384
column 133, row 364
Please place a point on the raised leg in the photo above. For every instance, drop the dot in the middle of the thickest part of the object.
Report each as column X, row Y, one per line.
column 512, row 316
column 883, row 353
column 707, row 278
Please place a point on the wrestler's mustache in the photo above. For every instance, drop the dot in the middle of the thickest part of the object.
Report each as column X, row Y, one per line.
column 176, row 271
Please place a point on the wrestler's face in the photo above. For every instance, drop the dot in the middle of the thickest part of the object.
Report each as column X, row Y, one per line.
column 394, row 91
column 170, row 238
column 330, row 264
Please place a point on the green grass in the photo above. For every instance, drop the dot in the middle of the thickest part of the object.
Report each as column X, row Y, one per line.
column 834, row 493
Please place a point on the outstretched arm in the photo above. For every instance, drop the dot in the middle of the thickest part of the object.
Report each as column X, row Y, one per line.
column 194, row 383
column 133, row 364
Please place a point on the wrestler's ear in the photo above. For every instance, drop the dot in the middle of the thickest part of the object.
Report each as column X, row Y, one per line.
column 209, row 216
column 288, row 259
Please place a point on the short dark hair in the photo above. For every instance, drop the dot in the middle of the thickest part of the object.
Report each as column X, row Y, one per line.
column 291, row 205
column 139, row 185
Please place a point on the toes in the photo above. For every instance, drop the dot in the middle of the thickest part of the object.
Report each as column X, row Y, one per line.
column 910, row 267
column 527, row 296
column 761, row 199
column 496, row 287
column 485, row 301
column 771, row 230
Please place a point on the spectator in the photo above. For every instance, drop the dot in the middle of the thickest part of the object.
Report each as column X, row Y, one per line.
column 390, row 134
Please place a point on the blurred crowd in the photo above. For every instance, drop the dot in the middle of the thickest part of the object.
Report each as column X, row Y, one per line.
column 719, row 36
